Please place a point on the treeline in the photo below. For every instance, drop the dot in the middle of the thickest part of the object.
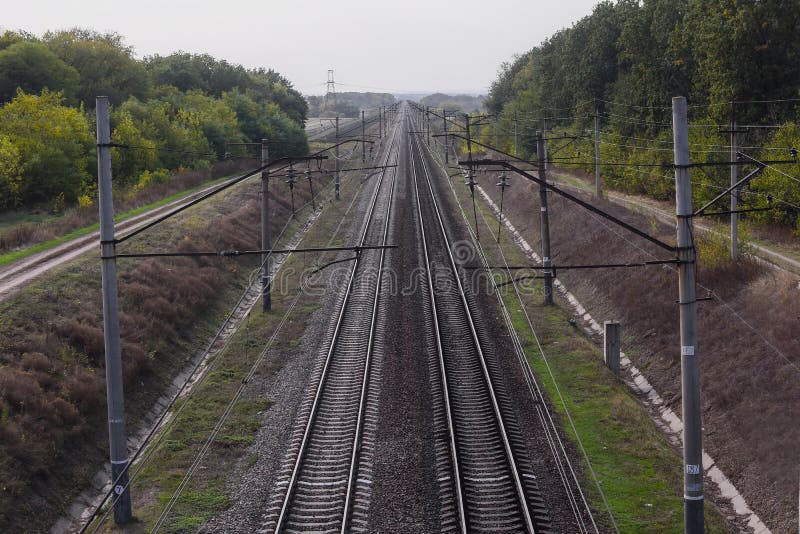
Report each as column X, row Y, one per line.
column 176, row 112
column 346, row 104
column 626, row 61
column 464, row 103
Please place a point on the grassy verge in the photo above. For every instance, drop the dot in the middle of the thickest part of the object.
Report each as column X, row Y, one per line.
column 16, row 255
column 639, row 471
column 207, row 492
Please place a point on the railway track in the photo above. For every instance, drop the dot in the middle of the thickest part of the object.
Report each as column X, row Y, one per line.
column 485, row 478
column 493, row 486
column 320, row 489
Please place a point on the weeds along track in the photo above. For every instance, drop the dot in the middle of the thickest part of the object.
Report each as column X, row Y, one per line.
column 492, row 486
column 321, row 487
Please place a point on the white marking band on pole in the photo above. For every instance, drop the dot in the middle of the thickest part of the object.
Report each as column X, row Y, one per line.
column 687, row 350
column 543, row 208
column 690, row 498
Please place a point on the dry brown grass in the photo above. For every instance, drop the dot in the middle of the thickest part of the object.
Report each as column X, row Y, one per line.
column 52, row 379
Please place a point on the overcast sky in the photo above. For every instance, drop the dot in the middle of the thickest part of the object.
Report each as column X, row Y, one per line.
column 407, row 46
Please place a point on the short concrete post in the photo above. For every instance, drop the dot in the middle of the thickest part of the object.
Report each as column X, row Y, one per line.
column 611, row 345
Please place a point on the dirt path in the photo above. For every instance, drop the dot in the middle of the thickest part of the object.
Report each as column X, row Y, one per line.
column 18, row 274
column 655, row 208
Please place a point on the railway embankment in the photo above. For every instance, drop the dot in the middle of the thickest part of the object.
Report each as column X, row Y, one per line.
column 749, row 367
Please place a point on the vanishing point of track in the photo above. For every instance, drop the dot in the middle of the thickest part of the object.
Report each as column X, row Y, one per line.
column 488, row 483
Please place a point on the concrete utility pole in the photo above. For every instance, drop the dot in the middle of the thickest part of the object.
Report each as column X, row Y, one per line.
column 611, row 345
column 469, row 142
column 546, row 261
column 497, row 131
column 598, row 191
column 471, row 176
column 380, row 122
column 515, row 135
column 446, row 138
column 544, row 134
column 734, row 191
column 266, row 294
column 336, row 156
column 113, row 354
column 428, row 123
column 363, row 139
column 690, row 372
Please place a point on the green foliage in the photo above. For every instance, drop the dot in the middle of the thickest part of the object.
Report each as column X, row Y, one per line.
column 9, row 38
column 11, row 178
column 53, row 149
column 463, row 103
column 182, row 111
column 775, row 187
column 31, row 66
column 627, row 60
column 347, row 104
column 202, row 72
column 105, row 64
column 127, row 163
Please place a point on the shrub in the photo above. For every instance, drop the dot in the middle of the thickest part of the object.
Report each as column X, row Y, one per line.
column 85, row 201
column 86, row 338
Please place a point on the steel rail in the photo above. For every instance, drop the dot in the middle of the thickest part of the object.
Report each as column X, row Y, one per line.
column 291, row 488
column 440, row 353
column 365, row 381
column 520, row 492
column 549, row 426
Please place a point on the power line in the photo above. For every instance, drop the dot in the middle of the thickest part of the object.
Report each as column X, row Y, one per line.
column 530, row 379
column 165, row 429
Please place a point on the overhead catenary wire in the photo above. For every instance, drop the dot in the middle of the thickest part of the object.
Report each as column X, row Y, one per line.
column 160, row 426
column 224, row 417
column 716, row 296
column 219, row 189
column 164, row 431
column 531, row 380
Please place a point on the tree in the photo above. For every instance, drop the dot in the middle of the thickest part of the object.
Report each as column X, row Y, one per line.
column 181, row 70
column 216, row 120
column 745, row 50
column 10, row 173
column 178, row 131
column 31, row 66
column 105, row 64
column 9, row 38
column 269, row 86
column 54, row 143
column 129, row 163
column 501, row 92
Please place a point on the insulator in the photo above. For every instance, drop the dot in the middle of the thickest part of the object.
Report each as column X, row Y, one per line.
column 504, row 181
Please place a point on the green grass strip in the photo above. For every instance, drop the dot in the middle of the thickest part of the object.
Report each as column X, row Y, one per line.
column 16, row 255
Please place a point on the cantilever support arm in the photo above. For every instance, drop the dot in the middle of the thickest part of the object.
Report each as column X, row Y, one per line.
column 571, row 198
